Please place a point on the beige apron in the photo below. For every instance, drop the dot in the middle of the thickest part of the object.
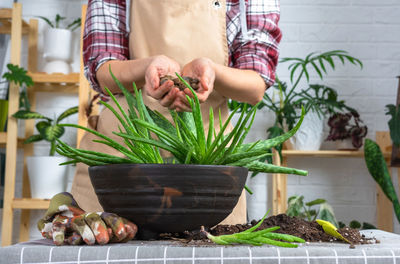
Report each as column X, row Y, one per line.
column 160, row 27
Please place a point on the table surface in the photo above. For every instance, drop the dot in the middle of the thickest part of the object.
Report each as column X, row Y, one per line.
column 167, row 252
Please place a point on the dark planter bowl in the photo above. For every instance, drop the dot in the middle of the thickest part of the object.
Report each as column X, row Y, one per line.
column 169, row 197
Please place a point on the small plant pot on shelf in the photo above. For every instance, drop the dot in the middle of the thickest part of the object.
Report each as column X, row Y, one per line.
column 57, row 50
column 46, row 176
column 310, row 134
column 3, row 114
column 165, row 198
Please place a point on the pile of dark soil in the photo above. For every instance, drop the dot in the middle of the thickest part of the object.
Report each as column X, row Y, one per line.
column 194, row 83
column 309, row 231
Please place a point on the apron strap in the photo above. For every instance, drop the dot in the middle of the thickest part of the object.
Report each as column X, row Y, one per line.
column 243, row 21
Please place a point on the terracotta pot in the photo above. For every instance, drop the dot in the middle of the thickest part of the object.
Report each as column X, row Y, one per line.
column 169, row 197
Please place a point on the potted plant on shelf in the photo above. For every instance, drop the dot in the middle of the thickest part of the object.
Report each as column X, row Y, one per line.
column 319, row 100
column 347, row 130
column 46, row 177
column 17, row 75
column 200, row 185
column 58, row 44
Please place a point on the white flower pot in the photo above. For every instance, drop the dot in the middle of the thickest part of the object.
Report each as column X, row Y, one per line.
column 46, row 177
column 310, row 134
column 57, row 66
column 57, row 44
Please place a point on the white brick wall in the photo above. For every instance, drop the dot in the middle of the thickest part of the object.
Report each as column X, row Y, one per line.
column 369, row 30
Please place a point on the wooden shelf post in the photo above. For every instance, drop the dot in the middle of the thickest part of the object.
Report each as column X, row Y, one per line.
column 12, row 129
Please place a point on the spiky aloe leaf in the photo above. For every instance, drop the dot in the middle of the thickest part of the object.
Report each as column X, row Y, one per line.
column 269, row 168
column 270, row 143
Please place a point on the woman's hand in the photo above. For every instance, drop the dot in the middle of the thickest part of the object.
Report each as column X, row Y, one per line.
column 203, row 70
column 159, row 67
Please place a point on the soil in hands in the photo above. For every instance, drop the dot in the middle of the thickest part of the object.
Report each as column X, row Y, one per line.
column 309, row 231
column 194, row 83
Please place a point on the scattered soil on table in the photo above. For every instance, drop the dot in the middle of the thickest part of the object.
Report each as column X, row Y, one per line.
column 194, row 83
column 309, row 231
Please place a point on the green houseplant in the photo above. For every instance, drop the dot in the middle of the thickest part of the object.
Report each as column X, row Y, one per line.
column 17, row 75
column 45, row 176
column 319, row 99
column 188, row 142
column 58, row 44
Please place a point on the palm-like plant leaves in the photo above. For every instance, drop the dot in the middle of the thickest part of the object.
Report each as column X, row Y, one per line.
column 17, row 75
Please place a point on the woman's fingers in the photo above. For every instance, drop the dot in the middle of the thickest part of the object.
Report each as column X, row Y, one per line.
column 170, row 97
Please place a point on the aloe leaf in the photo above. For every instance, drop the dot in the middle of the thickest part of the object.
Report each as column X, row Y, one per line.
column 270, row 143
column 210, row 128
column 244, row 161
column 112, row 143
column 238, row 130
column 153, row 142
column 237, row 157
column 285, row 237
column 197, row 117
column 161, row 133
column 109, row 159
column 265, row 240
column 257, row 166
column 219, row 137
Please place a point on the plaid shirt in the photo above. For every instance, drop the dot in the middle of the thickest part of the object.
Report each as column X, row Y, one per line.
column 106, row 36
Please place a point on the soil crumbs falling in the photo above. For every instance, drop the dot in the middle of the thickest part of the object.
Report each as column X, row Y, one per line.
column 309, row 231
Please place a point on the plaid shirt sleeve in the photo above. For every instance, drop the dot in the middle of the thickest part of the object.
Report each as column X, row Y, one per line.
column 105, row 36
column 259, row 51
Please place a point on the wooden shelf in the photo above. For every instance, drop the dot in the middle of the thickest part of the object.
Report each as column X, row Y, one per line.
column 54, row 78
column 3, row 140
column 30, row 203
column 327, row 153
column 5, row 22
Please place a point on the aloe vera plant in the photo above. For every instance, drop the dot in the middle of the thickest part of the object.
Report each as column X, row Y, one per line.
column 185, row 137
column 256, row 238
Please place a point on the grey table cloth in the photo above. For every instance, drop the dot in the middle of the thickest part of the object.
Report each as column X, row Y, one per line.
column 166, row 252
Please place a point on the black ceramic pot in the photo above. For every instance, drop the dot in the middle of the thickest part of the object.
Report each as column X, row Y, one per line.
column 169, row 197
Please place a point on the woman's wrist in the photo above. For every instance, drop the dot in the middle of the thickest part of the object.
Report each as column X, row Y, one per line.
column 127, row 72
